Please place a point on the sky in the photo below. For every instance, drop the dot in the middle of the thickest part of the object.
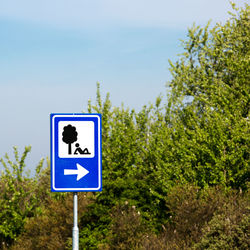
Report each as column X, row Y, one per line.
column 53, row 52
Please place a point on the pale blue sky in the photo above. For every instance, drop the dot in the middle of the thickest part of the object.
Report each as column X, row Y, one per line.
column 52, row 53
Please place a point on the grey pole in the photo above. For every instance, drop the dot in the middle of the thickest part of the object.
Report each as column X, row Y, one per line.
column 75, row 231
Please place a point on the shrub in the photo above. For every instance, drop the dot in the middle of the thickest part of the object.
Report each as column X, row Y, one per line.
column 52, row 229
column 127, row 227
column 18, row 200
column 229, row 228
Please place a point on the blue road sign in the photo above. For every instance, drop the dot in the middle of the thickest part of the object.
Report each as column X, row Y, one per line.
column 76, row 162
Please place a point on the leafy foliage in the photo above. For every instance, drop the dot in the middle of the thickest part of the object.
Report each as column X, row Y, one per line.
column 200, row 136
column 210, row 102
column 168, row 170
column 52, row 228
column 229, row 227
column 17, row 197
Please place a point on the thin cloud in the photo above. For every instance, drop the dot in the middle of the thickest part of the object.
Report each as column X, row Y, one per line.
column 92, row 13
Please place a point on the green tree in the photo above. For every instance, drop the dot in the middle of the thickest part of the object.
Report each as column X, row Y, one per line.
column 209, row 103
column 201, row 136
column 18, row 199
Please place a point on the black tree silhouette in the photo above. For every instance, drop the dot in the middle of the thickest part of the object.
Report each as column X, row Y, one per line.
column 69, row 136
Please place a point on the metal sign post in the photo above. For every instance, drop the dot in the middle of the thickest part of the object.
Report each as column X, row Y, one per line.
column 76, row 164
column 75, row 231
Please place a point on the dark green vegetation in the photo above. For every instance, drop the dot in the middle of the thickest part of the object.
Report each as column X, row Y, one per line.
column 175, row 174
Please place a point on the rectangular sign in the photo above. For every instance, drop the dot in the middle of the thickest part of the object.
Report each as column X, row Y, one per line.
column 76, row 162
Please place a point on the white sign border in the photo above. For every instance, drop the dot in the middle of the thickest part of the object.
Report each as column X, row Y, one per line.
column 53, row 153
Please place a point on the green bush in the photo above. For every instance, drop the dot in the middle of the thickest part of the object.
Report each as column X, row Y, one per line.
column 18, row 199
column 229, row 228
column 52, row 228
column 127, row 227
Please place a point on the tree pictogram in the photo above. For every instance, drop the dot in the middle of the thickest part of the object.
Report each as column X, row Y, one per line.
column 69, row 136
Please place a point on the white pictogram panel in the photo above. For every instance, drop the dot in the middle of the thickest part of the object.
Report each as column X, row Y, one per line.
column 76, row 139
